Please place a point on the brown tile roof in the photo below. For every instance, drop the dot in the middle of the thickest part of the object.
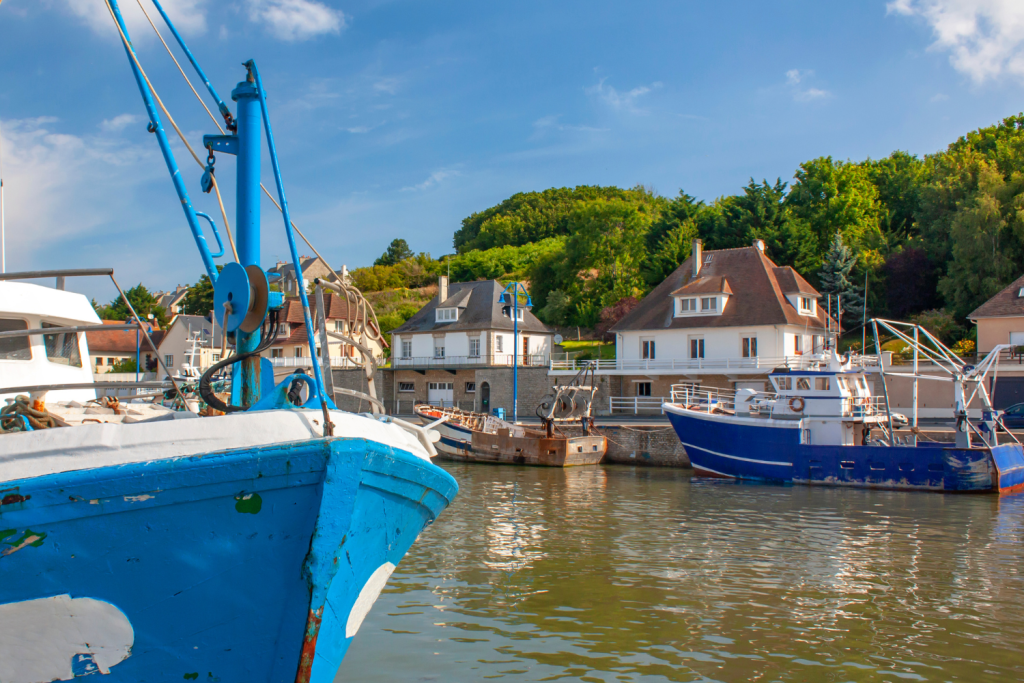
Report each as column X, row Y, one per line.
column 337, row 308
column 1006, row 303
column 759, row 289
column 704, row 285
column 120, row 341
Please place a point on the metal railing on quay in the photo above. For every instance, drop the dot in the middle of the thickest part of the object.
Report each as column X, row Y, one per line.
column 756, row 363
column 496, row 360
column 636, row 405
column 306, row 362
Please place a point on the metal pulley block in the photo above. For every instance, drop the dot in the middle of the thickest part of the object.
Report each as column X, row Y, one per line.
column 243, row 293
column 207, row 180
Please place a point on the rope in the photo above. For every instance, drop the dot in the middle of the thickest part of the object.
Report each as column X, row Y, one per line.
column 160, row 102
column 14, row 416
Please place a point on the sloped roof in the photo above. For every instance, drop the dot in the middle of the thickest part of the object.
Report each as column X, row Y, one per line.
column 121, row 341
column 758, row 297
column 209, row 333
column 791, row 282
column 480, row 310
column 704, row 285
column 336, row 306
column 1008, row 302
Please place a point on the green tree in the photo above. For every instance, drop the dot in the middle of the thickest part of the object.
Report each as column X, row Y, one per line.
column 199, row 298
column 556, row 310
column 397, row 251
column 835, row 279
column 141, row 300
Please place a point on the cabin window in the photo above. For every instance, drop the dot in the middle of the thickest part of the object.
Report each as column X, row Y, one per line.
column 643, row 388
column 862, row 383
column 822, row 383
column 406, row 387
column 62, row 348
column 470, row 387
column 784, row 383
column 749, row 345
column 407, row 348
column 474, row 347
column 647, row 349
column 803, row 383
column 709, row 303
column 842, row 383
column 696, row 347
column 14, row 348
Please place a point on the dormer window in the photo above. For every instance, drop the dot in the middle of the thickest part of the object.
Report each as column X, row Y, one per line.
column 507, row 312
column 806, row 305
column 447, row 315
column 709, row 303
column 686, row 305
column 1020, row 293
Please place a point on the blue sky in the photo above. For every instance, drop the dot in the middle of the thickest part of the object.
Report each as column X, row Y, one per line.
column 399, row 119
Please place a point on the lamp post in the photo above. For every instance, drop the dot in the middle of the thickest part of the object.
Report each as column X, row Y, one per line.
column 513, row 289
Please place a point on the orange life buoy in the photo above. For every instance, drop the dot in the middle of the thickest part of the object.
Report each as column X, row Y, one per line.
column 793, row 404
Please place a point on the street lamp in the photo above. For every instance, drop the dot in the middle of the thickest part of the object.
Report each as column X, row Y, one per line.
column 513, row 289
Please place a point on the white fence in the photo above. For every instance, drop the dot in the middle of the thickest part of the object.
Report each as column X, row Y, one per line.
column 756, row 364
column 636, row 405
column 306, row 362
column 500, row 360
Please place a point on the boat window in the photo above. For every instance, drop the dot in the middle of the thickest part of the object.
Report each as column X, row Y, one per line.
column 862, row 383
column 14, row 348
column 62, row 348
column 803, row 383
column 842, row 383
column 783, row 383
column 822, row 383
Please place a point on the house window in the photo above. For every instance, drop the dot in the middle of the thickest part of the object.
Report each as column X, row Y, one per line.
column 407, row 348
column 339, row 325
column 447, row 315
column 822, row 383
column 474, row 347
column 806, row 305
column 406, row 387
column 818, row 343
column 439, row 347
column 499, row 343
column 276, row 353
column 111, row 361
column 796, row 345
column 298, row 352
column 643, row 388
column 687, row 305
column 709, row 303
column 470, row 387
column 707, row 259
column 14, row 348
column 1020, row 293
column 749, row 345
column 507, row 312
column 216, row 358
column 168, row 361
column 99, row 362
column 647, row 349
column 696, row 347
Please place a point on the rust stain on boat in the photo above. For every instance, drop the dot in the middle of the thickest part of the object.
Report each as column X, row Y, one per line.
column 309, row 645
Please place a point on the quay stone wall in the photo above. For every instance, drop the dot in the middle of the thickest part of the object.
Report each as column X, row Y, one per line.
column 651, row 446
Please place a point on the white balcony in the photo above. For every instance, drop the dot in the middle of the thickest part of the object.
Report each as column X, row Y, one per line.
column 758, row 365
column 307, row 362
column 499, row 360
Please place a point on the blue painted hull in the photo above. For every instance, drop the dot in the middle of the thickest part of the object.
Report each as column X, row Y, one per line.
column 722, row 448
column 233, row 566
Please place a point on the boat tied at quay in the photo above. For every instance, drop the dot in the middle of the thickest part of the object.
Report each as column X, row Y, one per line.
column 246, row 542
column 817, row 427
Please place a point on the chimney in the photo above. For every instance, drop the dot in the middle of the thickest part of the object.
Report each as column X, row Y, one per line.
column 759, row 245
column 697, row 254
column 442, row 288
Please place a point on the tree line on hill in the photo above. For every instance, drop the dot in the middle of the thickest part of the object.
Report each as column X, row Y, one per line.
column 934, row 237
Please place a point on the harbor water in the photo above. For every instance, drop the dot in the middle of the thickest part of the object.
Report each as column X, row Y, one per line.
column 612, row 573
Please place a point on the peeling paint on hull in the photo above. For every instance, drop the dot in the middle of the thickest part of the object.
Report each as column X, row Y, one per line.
column 719, row 448
column 206, row 588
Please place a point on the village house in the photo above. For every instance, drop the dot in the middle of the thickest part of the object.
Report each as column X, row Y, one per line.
column 724, row 318
column 172, row 302
column 292, row 346
column 282, row 275
column 438, row 355
column 1000, row 320
column 191, row 340
column 108, row 348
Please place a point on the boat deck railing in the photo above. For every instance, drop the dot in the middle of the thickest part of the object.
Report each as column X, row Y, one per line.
column 563, row 363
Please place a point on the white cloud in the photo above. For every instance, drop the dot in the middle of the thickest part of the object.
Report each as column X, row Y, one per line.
column 119, row 122
column 435, row 178
column 296, row 19
column 188, row 16
column 550, row 123
column 794, row 77
column 985, row 37
column 388, row 85
column 623, row 101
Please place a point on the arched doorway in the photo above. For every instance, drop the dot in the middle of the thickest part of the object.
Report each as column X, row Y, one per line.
column 485, row 398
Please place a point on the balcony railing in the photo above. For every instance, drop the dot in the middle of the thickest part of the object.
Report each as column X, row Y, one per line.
column 757, row 363
column 306, row 362
column 499, row 360
column 636, row 405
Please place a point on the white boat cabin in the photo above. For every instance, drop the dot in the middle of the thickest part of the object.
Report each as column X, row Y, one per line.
column 47, row 358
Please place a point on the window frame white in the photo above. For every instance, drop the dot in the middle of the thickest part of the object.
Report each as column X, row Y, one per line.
column 648, row 349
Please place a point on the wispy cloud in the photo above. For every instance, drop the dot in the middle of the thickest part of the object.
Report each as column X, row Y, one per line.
column 386, row 85
column 119, row 122
column 624, row 101
column 189, row 16
column 436, row 177
column 550, row 123
column 938, row 97
column 795, row 79
column 295, row 20
column 985, row 37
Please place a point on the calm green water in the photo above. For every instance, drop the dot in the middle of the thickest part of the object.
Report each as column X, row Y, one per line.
column 622, row 574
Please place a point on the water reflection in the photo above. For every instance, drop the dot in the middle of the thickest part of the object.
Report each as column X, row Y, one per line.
column 615, row 574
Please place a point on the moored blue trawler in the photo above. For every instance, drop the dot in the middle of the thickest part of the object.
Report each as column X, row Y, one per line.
column 822, row 425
